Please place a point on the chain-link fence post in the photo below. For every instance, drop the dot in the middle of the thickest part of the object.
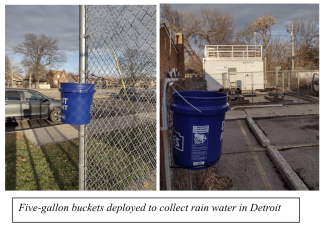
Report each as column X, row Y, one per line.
column 82, row 62
column 298, row 91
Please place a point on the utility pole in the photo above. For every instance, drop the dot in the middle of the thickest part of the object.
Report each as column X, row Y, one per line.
column 12, row 73
column 292, row 45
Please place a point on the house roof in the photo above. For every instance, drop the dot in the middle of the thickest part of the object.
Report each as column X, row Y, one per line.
column 170, row 38
column 75, row 77
column 17, row 78
column 57, row 72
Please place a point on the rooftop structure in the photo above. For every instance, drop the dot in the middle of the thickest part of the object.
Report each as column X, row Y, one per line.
column 233, row 52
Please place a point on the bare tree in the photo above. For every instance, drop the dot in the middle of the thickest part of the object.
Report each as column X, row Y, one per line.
column 7, row 69
column 209, row 27
column 278, row 53
column 11, row 70
column 306, row 42
column 40, row 52
column 137, row 65
column 262, row 27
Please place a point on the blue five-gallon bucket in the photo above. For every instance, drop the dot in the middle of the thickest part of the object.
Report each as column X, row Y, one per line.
column 197, row 137
column 76, row 101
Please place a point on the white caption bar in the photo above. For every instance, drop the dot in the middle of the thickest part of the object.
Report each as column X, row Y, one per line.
column 156, row 210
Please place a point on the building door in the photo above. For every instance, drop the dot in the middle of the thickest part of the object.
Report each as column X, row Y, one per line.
column 248, row 76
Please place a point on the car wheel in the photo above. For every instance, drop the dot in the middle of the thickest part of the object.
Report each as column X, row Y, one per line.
column 55, row 115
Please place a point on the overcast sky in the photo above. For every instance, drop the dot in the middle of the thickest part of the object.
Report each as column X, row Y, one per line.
column 61, row 22
column 244, row 13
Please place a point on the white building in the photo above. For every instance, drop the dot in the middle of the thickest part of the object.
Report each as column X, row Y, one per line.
column 239, row 66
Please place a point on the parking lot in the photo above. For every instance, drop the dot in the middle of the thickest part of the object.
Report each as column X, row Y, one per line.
column 249, row 167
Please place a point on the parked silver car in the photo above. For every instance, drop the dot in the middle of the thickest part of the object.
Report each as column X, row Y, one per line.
column 30, row 104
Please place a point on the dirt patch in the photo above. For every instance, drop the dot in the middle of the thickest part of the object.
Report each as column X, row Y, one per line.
column 215, row 181
column 15, row 136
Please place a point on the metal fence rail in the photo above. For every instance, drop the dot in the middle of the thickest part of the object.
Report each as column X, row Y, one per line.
column 120, row 143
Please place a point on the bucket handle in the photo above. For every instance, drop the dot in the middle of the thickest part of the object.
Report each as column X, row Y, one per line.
column 89, row 86
column 171, row 84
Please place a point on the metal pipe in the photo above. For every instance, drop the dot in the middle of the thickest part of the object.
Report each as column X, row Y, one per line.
column 82, row 67
column 164, row 130
column 272, row 105
column 297, row 74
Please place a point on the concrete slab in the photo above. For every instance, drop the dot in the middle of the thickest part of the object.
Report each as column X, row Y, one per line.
column 286, row 131
column 51, row 134
column 235, row 114
column 287, row 110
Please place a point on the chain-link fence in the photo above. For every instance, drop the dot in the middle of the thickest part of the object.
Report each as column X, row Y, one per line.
column 120, row 144
column 300, row 86
column 264, row 87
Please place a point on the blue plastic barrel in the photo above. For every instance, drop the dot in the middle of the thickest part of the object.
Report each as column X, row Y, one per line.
column 76, row 101
column 197, row 137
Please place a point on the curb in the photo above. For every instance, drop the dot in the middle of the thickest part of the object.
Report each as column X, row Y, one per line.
column 258, row 133
column 290, row 177
column 285, row 169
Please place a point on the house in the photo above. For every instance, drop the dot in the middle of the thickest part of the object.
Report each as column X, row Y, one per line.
column 73, row 78
column 57, row 77
column 171, row 52
column 17, row 81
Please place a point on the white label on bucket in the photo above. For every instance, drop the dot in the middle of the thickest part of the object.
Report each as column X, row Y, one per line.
column 222, row 127
column 200, row 143
column 63, row 102
column 198, row 163
column 178, row 141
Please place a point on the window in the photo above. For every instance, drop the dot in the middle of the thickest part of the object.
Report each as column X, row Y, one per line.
column 13, row 95
column 32, row 96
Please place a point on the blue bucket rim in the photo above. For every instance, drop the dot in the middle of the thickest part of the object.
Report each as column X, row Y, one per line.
column 222, row 95
column 66, row 87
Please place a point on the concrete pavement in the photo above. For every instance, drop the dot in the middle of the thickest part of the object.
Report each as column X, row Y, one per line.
column 286, row 110
column 52, row 134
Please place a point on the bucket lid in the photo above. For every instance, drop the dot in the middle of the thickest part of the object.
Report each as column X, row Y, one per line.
column 77, row 87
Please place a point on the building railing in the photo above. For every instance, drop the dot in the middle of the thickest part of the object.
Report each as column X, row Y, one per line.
column 233, row 52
